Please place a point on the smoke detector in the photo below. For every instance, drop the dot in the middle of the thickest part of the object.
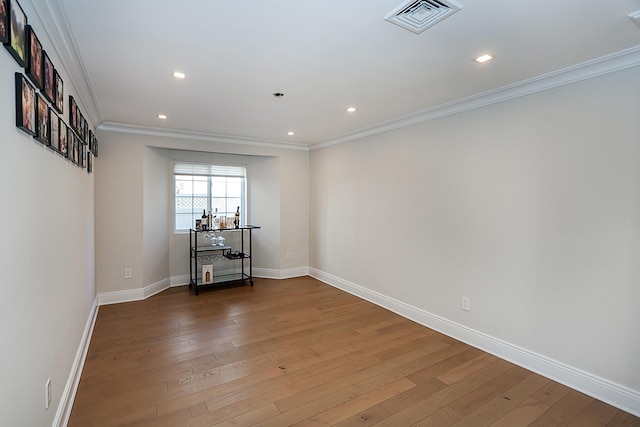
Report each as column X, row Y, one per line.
column 418, row 15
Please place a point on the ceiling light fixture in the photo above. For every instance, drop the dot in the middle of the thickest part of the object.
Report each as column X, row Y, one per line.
column 179, row 75
column 352, row 109
column 162, row 117
column 291, row 133
column 484, row 58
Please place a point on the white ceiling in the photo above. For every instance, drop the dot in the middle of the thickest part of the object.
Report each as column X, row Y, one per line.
column 324, row 56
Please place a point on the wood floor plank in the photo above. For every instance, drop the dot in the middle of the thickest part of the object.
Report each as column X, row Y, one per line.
column 445, row 416
column 362, row 402
column 564, row 411
column 476, row 398
column 299, row 352
column 367, row 417
column 492, row 410
column 596, row 414
column 424, row 408
column 523, row 414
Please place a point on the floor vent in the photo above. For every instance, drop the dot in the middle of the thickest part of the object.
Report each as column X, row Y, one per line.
column 418, row 15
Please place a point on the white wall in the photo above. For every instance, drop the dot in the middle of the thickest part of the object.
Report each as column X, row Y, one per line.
column 119, row 202
column 530, row 207
column 46, row 257
column 133, row 166
column 157, row 214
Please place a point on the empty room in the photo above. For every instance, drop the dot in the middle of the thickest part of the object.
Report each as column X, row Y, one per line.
column 418, row 212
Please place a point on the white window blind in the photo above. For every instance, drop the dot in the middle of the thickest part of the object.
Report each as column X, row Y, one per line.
column 208, row 170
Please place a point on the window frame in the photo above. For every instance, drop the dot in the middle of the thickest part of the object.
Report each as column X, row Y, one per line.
column 209, row 171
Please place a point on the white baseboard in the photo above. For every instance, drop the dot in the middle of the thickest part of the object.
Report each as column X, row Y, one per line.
column 267, row 273
column 179, row 280
column 592, row 385
column 117, row 297
column 69, row 393
column 129, row 295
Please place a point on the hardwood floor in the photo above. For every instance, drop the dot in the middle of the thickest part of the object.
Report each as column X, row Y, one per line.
column 298, row 351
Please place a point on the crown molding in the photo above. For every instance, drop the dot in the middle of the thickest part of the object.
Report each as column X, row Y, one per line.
column 635, row 18
column 53, row 16
column 198, row 136
column 617, row 61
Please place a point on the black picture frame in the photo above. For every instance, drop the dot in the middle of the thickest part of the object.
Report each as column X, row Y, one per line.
column 49, row 78
column 17, row 44
column 73, row 113
column 69, row 149
column 54, row 131
column 89, row 162
column 4, row 21
column 34, row 62
column 58, row 104
column 95, row 146
column 62, row 140
column 83, row 157
column 70, row 136
column 90, row 141
column 42, row 120
column 25, row 104
column 80, row 128
column 75, row 143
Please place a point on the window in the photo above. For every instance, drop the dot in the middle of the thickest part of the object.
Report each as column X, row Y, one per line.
column 199, row 188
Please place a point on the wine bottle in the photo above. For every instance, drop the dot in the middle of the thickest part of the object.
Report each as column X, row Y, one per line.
column 204, row 220
column 236, row 221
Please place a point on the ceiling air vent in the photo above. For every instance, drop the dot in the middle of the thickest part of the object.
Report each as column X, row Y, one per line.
column 418, row 15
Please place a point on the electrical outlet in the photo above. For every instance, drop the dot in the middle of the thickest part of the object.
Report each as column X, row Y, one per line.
column 47, row 393
column 128, row 273
column 466, row 303
column 288, row 255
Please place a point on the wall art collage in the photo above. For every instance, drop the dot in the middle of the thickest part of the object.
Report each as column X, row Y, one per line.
column 40, row 93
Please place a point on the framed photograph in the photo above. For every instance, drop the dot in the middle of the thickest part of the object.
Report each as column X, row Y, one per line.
column 76, row 147
column 95, row 146
column 58, row 92
column 34, row 63
column 90, row 140
column 73, row 113
column 62, row 142
column 42, row 120
column 48, row 74
column 54, row 131
column 83, row 158
column 4, row 21
column 70, row 138
column 80, row 125
column 89, row 162
column 69, row 148
column 25, row 105
column 17, row 44
column 73, row 147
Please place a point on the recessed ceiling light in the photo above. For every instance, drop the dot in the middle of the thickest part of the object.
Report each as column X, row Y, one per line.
column 352, row 109
column 162, row 116
column 483, row 58
column 179, row 75
column 291, row 133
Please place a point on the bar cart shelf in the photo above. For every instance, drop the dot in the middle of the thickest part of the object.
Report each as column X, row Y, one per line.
column 200, row 249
